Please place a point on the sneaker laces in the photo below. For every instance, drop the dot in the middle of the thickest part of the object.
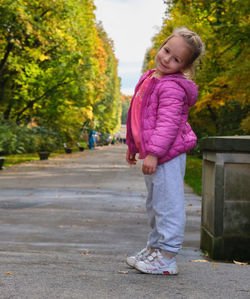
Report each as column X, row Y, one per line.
column 142, row 251
column 154, row 256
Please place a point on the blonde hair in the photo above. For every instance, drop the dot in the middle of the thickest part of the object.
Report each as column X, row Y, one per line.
column 194, row 44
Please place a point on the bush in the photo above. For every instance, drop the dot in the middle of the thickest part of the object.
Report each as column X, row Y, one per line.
column 7, row 139
column 83, row 144
column 45, row 140
column 16, row 139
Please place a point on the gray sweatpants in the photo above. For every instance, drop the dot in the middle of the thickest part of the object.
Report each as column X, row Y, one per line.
column 165, row 205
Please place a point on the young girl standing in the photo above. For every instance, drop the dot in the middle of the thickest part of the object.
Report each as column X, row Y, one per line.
column 158, row 130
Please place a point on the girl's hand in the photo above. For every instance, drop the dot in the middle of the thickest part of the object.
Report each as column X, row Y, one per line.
column 149, row 164
column 130, row 158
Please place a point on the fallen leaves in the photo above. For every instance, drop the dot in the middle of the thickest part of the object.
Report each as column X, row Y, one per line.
column 122, row 272
column 199, row 261
column 205, row 261
column 240, row 263
column 216, row 266
column 87, row 252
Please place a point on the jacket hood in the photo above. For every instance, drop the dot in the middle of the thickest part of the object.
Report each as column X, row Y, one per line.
column 189, row 86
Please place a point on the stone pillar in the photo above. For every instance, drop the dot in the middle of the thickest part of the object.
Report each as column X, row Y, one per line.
column 225, row 223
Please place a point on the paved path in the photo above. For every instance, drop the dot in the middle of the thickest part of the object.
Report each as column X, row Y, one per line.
column 67, row 225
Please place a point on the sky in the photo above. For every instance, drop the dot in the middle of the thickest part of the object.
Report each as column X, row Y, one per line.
column 131, row 24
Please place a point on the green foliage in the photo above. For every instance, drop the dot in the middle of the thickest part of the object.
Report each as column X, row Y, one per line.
column 107, row 110
column 83, row 144
column 57, row 67
column 15, row 139
column 125, row 106
column 45, row 140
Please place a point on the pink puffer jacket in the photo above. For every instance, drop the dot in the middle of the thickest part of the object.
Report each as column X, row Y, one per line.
column 164, row 130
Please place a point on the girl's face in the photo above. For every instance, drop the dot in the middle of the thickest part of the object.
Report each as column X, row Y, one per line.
column 172, row 57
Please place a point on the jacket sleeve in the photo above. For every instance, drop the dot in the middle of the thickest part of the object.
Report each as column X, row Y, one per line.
column 168, row 118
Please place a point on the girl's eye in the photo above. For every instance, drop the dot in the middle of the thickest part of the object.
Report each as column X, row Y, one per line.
column 166, row 50
column 176, row 60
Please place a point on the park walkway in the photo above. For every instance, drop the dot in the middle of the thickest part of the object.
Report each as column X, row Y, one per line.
column 67, row 225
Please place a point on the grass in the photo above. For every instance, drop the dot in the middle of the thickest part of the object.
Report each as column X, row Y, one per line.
column 193, row 176
column 20, row 158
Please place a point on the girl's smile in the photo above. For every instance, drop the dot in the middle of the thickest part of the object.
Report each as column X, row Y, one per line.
column 172, row 57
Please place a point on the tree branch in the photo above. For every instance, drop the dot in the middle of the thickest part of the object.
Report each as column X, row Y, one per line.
column 227, row 48
column 47, row 10
column 31, row 103
column 8, row 49
column 212, row 114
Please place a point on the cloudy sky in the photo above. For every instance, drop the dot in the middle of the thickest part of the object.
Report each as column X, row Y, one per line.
column 131, row 24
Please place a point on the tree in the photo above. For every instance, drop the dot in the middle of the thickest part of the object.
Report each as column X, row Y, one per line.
column 55, row 66
column 108, row 107
column 125, row 106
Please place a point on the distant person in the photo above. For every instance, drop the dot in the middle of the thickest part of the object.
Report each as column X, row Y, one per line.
column 91, row 139
column 158, row 130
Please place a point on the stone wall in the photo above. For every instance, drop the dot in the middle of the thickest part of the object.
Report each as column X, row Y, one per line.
column 225, row 224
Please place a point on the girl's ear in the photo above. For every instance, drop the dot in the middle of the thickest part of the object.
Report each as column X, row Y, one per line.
column 187, row 67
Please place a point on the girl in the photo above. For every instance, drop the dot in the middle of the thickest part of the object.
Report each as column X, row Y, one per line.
column 158, row 130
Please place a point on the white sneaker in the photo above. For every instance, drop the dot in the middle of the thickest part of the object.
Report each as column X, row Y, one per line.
column 156, row 263
column 140, row 256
